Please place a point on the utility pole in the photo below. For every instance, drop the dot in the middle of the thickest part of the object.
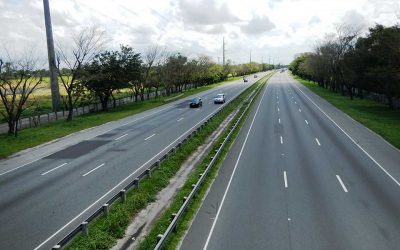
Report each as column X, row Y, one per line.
column 250, row 56
column 223, row 51
column 55, row 91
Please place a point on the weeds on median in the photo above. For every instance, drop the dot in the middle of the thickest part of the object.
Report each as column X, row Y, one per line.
column 104, row 231
column 150, row 241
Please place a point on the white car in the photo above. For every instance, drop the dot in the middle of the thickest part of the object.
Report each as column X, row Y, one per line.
column 220, row 98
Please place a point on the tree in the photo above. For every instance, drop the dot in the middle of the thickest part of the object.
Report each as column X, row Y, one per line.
column 86, row 44
column 18, row 80
column 378, row 56
column 110, row 71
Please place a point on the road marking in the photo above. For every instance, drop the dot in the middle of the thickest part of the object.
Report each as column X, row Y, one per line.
column 285, row 179
column 180, row 119
column 281, row 140
column 341, row 183
column 306, row 122
column 344, row 132
column 289, row 219
column 94, row 169
column 130, row 176
column 300, row 110
column 279, row 120
column 233, row 173
column 51, row 170
column 316, row 139
column 122, row 136
column 149, row 137
column 295, row 102
column 278, row 109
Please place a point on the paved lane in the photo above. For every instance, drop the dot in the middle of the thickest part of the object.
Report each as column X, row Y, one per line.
column 42, row 201
column 294, row 180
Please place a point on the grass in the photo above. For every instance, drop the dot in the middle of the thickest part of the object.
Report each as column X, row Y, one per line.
column 31, row 137
column 375, row 116
column 149, row 242
column 104, row 231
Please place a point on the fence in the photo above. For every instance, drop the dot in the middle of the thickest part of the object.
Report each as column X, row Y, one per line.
column 34, row 121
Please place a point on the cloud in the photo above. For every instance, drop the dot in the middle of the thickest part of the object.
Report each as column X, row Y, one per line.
column 314, row 20
column 355, row 19
column 258, row 25
column 205, row 12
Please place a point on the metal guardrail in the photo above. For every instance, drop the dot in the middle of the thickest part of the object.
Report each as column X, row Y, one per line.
column 162, row 238
column 104, row 209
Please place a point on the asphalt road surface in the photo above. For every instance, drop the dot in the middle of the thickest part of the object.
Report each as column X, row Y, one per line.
column 47, row 191
column 301, row 175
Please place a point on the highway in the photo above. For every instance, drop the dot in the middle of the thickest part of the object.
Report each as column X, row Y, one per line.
column 301, row 175
column 49, row 190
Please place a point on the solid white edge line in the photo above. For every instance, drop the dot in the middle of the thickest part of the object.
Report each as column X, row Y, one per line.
column 94, row 169
column 122, row 136
column 51, row 170
column 129, row 176
column 344, row 132
column 149, row 137
column 316, row 139
column 285, row 179
column 233, row 173
column 341, row 183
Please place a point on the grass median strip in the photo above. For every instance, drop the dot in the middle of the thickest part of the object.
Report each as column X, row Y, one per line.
column 150, row 241
column 104, row 231
column 31, row 137
column 375, row 116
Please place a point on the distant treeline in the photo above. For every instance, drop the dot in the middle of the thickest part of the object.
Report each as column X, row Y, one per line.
column 89, row 73
column 354, row 65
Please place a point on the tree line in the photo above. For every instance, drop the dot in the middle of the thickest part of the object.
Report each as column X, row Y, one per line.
column 354, row 65
column 89, row 73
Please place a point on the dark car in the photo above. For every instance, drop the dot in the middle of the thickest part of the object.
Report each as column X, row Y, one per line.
column 255, row 76
column 196, row 103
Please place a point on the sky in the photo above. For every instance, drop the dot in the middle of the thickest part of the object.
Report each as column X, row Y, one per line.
column 270, row 30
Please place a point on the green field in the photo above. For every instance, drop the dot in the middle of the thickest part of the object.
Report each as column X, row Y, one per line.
column 375, row 116
column 31, row 137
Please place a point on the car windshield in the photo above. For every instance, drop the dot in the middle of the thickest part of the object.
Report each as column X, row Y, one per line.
column 219, row 96
column 195, row 100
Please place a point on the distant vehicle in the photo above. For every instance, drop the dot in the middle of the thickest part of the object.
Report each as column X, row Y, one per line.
column 282, row 70
column 255, row 76
column 245, row 79
column 196, row 103
column 220, row 98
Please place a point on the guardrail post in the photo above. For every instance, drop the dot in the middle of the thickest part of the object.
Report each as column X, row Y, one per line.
column 106, row 209
column 193, row 186
column 184, row 199
column 148, row 172
column 159, row 237
column 157, row 164
column 56, row 247
column 172, row 218
column 85, row 228
column 136, row 182
column 122, row 193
